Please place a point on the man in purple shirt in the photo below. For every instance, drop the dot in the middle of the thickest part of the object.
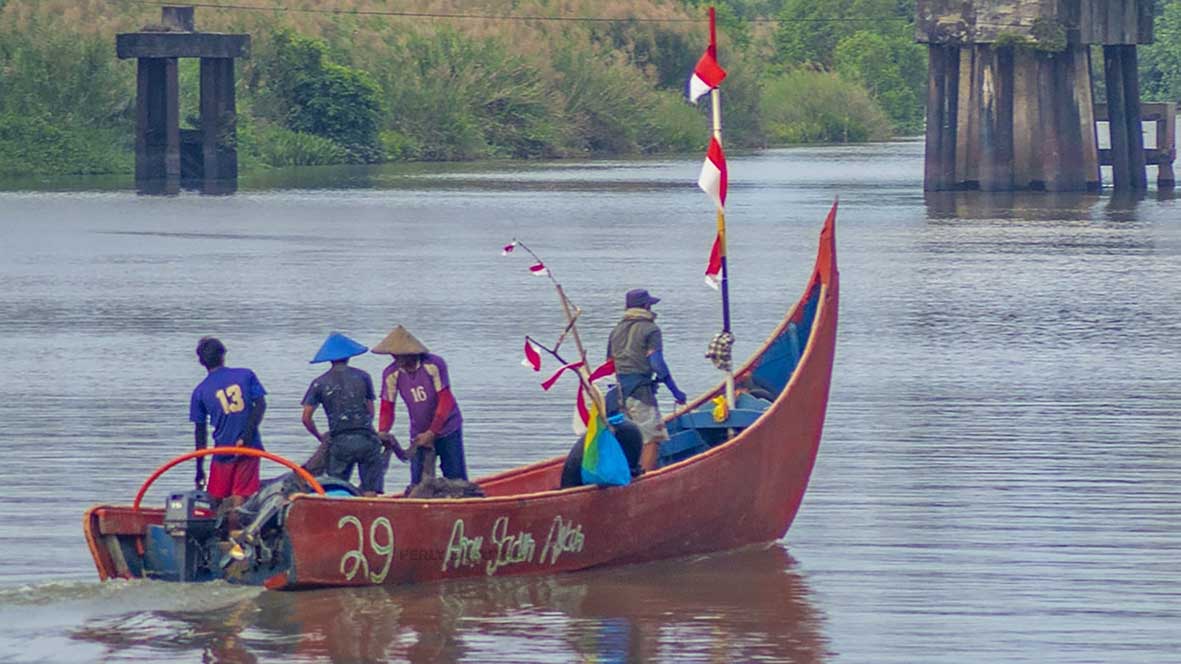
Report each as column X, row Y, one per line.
column 435, row 421
column 234, row 400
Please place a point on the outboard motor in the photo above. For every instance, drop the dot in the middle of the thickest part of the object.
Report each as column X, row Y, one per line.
column 190, row 519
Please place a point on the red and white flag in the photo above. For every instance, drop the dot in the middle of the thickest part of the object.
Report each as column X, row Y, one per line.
column 538, row 269
column 605, row 369
column 713, row 176
column 532, row 357
column 508, row 248
column 549, row 382
column 707, row 75
column 713, row 271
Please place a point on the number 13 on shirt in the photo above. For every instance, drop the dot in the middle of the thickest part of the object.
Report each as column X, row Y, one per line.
column 231, row 399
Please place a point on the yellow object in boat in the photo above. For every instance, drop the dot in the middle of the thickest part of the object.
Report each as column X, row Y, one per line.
column 721, row 408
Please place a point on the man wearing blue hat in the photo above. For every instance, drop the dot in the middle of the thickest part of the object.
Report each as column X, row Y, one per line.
column 347, row 396
column 638, row 350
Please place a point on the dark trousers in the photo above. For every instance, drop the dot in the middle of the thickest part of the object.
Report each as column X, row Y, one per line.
column 362, row 449
column 449, row 450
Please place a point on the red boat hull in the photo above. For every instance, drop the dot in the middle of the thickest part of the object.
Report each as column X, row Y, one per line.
column 744, row 491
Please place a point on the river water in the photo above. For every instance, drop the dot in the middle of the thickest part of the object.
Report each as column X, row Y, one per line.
column 999, row 480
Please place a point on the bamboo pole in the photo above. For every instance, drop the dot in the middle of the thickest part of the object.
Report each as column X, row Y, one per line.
column 572, row 313
column 716, row 108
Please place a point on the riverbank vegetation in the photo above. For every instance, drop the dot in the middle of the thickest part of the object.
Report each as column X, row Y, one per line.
column 331, row 85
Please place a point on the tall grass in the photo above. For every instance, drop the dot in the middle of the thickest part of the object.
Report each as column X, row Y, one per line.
column 464, row 89
column 805, row 106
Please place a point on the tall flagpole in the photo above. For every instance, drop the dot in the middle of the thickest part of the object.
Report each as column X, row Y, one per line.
column 716, row 104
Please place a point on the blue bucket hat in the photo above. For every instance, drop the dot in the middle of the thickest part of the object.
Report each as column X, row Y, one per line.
column 338, row 347
column 640, row 297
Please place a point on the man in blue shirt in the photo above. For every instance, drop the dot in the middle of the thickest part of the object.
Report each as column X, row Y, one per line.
column 234, row 401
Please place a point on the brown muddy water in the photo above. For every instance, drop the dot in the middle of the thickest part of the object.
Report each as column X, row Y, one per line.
column 999, row 480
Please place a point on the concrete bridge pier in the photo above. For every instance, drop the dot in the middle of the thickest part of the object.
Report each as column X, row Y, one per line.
column 159, row 142
column 157, row 125
column 1009, row 102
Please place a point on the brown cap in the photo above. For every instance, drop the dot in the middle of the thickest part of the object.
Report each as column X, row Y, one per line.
column 399, row 342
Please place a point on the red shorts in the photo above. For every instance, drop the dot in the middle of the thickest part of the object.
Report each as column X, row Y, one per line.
column 233, row 478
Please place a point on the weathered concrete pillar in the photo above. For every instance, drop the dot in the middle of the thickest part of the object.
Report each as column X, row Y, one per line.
column 219, row 120
column 1053, row 125
column 1166, row 136
column 181, row 19
column 943, row 89
column 158, row 135
column 996, row 112
column 1025, row 113
column 157, row 139
column 1123, row 110
column 1131, row 65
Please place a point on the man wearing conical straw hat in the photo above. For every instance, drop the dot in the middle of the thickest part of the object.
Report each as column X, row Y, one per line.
column 347, row 396
column 436, row 425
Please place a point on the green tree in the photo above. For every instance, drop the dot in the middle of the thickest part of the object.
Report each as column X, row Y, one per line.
column 1160, row 63
column 297, row 86
column 892, row 69
column 809, row 30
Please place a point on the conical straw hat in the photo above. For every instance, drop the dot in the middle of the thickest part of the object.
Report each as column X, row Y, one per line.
column 399, row 342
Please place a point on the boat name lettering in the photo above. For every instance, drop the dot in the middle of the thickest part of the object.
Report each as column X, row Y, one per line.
column 383, row 546
column 508, row 547
column 462, row 551
column 563, row 536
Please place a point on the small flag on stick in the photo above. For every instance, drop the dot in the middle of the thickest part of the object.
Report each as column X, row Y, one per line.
column 532, row 357
column 713, row 270
column 714, row 179
column 707, row 75
column 549, row 382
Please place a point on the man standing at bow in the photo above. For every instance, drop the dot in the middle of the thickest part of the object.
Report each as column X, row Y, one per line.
column 436, row 426
column 347, row 395
column 234, row 400
column 637, row 348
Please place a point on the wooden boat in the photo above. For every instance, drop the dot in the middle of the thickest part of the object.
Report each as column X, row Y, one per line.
column 723, row 485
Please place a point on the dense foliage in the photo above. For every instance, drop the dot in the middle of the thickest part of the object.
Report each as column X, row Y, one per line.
column 324, row 88
column 1160, row 63
column 297, row 87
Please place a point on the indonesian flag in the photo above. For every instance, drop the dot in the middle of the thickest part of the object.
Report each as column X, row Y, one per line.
column 713, row 176
column 582, row 413
column 508, row 248
column 549, row 382
column 713, row 270
column 707, row 75
column 532, row 357
column 538, row 270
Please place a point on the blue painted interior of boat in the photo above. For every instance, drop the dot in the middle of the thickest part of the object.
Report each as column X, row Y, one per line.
column 777, row 364
column 704, row 419
column 696, row 432
column 160, row 554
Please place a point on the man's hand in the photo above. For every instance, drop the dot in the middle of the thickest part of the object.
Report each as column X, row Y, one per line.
column 240, row 443
column 325, row 438
column 425, row 439
column 199, row 479
column 391, row 443
column 678, row 395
